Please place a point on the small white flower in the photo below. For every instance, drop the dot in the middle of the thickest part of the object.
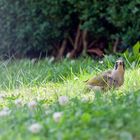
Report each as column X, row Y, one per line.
column 32, row 104
column 134, row 84
column 57, row 116
column 6, row 109
column 5, row 112
column 76, row 78
column 85, row 99
column 51, row 59
column 35, row 128
column 47, row 112
column 63, row 100
column 101, row 62
column 18, row 102
column 72, row 61
column 34, row 60
column 2, row 96
column 94, row 88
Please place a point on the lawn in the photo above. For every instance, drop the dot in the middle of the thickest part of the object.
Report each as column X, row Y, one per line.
column 49, row 101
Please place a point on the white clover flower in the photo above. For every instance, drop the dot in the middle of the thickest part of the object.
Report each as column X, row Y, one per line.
column 2, row 96
column 51, row 59
column 47, row 112
column 5, row 112
column 101, row 62
column 6, row 109
column 134, row 83
column 35, row 128
column 94, row 88
column 85, row 99
column 34, row 60
column 18, row 102
column 76, row 78
column 32, row 104
column 57, row 116
column 72, row 61
column 63, row 100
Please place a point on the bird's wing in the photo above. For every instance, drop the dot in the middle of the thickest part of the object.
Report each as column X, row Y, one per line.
column 106, row 72
column 100, row 80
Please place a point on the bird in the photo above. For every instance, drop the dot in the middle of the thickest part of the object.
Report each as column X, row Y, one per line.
column 108, row 79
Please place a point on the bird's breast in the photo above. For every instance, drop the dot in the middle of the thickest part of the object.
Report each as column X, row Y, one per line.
column 119, row 77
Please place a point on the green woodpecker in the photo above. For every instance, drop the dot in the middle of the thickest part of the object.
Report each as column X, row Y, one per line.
column 109, row 79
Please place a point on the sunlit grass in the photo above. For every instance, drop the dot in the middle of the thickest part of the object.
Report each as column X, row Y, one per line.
column 88, row 115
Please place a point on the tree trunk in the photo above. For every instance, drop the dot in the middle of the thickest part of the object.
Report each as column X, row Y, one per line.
column 84, row 38
column 77, row 42
column 62, row 49
column 77, row 37
column 115, row 45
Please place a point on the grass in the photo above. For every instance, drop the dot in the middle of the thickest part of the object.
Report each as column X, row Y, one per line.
column 112, row 115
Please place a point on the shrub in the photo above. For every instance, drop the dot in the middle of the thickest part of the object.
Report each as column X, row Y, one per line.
column 65, row 25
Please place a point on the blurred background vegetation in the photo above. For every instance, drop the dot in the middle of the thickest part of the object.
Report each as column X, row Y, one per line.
column 59, row 28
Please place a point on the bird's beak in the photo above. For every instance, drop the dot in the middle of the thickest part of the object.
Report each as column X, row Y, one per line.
column 121, row 65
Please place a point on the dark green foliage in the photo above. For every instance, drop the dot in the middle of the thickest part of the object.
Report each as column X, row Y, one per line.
column 43, row 24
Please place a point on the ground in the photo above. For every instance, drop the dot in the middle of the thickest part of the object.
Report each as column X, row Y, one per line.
column 46, row 100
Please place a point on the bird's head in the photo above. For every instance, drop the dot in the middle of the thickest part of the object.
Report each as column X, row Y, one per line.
column 119, row 65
